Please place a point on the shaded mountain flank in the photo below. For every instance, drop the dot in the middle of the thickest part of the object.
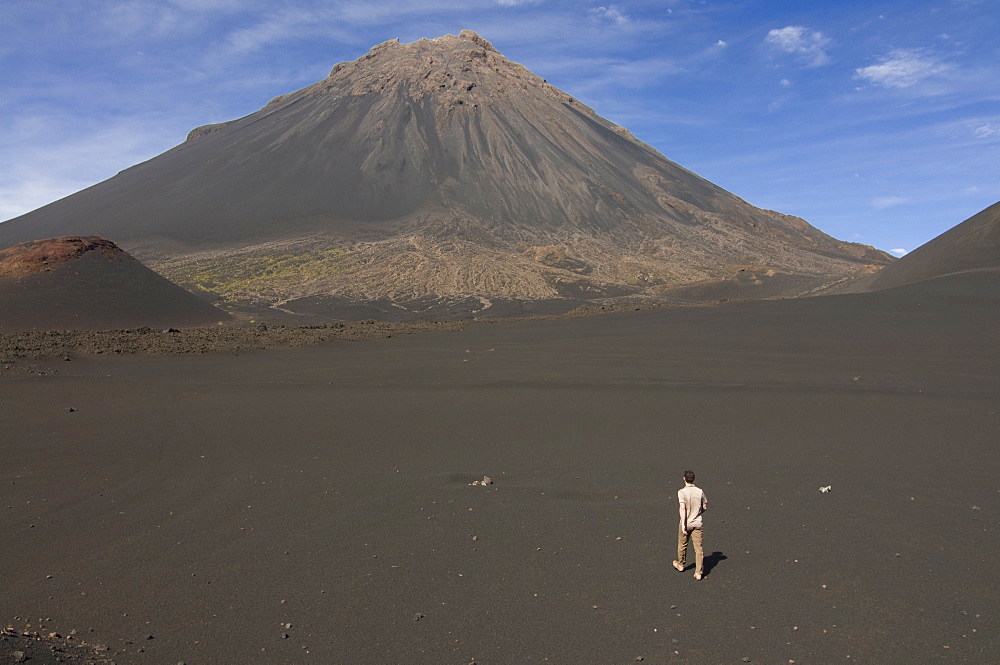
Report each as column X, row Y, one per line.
column 90, row 283
column 440, row 172
column 972, row 246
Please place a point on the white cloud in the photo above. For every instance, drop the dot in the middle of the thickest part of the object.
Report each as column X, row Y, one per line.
column 140, row 18
column 76, row 157
column 21, row 195
column 899, row 252
column 207, row 5
column 600, row 76
column 987, row 130
column 901, row 68
column 517, row 3
column 275, row 27
column 808, row 46
column 784, row 83
column 883, row 202
column 336, row 22
column 610, row 13
column 777, row 104
column 721, row 42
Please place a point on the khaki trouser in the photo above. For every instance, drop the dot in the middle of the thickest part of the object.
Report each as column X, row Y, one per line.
column 694, row 535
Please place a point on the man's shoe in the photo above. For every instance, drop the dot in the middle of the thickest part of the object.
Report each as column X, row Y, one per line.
column 697, row 576
column 678, row 566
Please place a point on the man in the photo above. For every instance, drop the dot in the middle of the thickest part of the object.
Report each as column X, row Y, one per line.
column 692, row 504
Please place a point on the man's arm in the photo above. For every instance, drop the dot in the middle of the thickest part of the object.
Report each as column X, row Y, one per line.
column 682, row 511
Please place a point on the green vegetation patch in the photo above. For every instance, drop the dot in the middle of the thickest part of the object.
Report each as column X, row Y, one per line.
column 238, row 274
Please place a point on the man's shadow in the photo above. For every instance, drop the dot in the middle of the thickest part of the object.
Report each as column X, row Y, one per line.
column 712, row 560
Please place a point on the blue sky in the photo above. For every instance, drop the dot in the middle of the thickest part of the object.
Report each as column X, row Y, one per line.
column 878, row 122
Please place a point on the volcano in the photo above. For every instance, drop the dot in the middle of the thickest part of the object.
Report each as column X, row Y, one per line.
column 439, row 171
column 90, row 283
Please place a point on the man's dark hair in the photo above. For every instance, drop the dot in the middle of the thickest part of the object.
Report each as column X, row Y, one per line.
column 689, row 476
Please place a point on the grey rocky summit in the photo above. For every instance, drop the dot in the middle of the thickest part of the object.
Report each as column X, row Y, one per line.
column 439, row 170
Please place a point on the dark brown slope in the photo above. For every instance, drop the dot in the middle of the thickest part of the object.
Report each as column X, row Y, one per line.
column 972, row 245
column 313, row 506
column 90, row 283
column 433, row 169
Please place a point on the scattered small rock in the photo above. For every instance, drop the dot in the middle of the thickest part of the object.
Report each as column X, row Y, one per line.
column 745, row 659
column 71, row 410
column 418, row 616
column 19, row 656
column 826, row 489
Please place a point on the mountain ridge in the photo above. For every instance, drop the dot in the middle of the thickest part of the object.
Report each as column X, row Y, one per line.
column 438, row 169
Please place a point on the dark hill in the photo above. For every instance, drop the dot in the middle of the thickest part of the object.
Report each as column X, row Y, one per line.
column 437, row 170
column 971, row 246
column 90, row 283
